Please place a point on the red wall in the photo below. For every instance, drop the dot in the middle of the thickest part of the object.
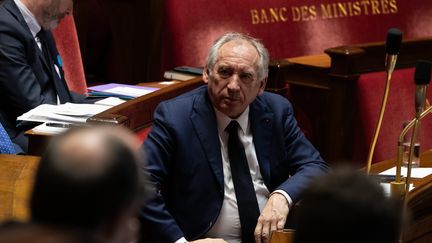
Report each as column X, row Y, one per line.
column 298, row 27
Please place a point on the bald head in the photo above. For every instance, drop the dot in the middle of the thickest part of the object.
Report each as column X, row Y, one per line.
column 88, row 152
column 87, row 177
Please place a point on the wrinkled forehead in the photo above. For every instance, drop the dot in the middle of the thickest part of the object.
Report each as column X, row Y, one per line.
column 239, row 53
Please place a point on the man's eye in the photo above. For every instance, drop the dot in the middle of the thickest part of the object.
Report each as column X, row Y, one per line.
column 224, row 73
column 246, row 77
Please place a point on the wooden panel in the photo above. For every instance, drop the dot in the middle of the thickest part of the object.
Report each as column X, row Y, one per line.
column 324, row 87
column 16, row 181
column 120, row 39
column 282, row 236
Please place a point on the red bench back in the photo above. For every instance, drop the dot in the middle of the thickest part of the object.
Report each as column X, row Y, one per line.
column 400, row 108
column 68, row 46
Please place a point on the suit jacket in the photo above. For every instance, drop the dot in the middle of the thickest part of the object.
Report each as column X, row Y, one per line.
column 27, row 79
column 184, row 161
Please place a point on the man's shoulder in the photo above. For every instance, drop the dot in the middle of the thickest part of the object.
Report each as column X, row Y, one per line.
column 5, row 12
column 5, row 15
column 9, row 22
column 187, row 98
column 272, row 101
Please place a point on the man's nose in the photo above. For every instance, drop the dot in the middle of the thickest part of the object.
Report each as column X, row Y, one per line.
column 234, row 83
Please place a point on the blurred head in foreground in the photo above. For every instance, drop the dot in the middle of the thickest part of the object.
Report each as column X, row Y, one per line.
column 26, row 232
column 345, row 206
column 89, row 179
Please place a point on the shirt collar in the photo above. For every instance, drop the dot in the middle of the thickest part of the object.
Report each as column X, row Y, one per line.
column 29, row 18
column 224, row 120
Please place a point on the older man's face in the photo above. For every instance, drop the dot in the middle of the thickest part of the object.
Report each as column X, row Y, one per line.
column 233, row 82
column 54, row 11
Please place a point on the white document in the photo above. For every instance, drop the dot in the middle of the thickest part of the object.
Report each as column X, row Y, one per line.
column 110, row 101
column 419, row 172
column 69, row 112
column 128, row 91
column 167, row 82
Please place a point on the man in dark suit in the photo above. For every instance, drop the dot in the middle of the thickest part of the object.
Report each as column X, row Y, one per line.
column 30, row 66
column 228, row 159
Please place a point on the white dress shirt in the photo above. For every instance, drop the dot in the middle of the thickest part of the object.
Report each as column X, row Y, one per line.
column 31, row 21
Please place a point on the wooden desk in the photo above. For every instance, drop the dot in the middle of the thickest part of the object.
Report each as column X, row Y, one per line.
column 16, row 182
column 419, row 201
column 325, row 88
column 134, row 114
column 138, row 113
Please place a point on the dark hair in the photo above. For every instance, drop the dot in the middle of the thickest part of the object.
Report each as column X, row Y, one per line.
column 345, row 206
column 67, row 197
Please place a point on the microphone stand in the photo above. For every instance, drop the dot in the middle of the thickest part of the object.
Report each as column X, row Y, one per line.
column 391, row 60
column 398, row 188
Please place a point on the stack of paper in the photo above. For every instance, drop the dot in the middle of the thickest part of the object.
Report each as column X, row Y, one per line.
column 124, row 91
column 69, row 113
column 419, row 172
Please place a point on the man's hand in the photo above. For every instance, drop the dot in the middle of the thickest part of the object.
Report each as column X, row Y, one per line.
column 273, row 217
column 209, row 240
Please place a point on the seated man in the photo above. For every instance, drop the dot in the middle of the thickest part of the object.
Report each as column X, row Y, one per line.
column 30, row 67
column 347, row 207
column 228, row 159
column 88, row 180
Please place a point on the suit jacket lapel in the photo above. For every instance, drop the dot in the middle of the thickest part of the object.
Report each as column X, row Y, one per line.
column 204, row 122
column 14, row 10
column 261, row 124
column 58, row 78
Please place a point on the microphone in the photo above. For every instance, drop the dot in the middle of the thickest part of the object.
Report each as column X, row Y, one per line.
column 393, row 44
column 421, row 79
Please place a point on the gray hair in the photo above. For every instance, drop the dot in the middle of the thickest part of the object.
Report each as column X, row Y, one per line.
column 232, row 36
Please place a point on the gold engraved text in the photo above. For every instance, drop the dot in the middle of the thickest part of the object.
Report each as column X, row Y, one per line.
column 323, row 11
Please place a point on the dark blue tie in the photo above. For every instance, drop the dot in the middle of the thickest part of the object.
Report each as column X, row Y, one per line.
column 6, row 146
column 59, row 83
column 244, row 190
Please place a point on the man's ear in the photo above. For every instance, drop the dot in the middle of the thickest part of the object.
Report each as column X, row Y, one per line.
column 262, row 85
column 206, row 73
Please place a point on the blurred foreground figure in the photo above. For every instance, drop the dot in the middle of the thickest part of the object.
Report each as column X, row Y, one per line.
column 25, row 233
column 89, row 180
column 345, row 206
